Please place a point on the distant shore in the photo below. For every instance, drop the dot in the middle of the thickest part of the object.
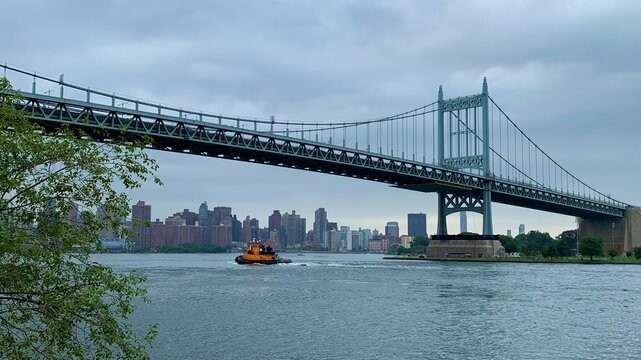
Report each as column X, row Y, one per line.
column 618, row 261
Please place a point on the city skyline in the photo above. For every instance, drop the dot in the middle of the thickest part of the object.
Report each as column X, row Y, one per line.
column 383, row 228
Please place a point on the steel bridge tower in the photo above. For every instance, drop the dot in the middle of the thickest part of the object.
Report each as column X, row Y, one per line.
column 467, row 149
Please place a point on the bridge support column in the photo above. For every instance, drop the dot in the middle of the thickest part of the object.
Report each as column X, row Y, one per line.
column 441, row 228
column 487, row 210
column 473, row 201
column 622, row 234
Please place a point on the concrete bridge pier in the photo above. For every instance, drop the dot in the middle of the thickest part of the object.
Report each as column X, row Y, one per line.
column 623, row 234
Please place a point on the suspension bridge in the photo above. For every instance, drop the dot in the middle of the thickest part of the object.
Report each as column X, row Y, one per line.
column 466, row 149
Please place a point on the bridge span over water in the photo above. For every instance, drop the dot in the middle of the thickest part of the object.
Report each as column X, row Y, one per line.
column 466, row 149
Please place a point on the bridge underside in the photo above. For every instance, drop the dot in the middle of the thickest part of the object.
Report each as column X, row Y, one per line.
column 541, row 203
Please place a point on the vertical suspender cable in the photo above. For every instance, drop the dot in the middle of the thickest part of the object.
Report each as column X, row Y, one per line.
column 423, row 123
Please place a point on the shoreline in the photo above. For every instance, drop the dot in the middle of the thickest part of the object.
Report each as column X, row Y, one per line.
column 514, row 260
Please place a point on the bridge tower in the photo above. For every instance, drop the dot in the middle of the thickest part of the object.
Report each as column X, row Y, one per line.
column 464, row 144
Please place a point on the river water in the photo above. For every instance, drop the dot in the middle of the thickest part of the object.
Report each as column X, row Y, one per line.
column 346, row 306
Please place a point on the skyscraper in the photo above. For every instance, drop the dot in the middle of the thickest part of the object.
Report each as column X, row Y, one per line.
column 202, row 214
column 320, row 228
column 417, row 225
column 141, row 217
column 392, row 231
column 345, row 238
column 521, row 229
column 364, row 236
column 236, row 229
column 463, row 221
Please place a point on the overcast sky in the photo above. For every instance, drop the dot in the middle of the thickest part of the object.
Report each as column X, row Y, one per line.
column 567, row 72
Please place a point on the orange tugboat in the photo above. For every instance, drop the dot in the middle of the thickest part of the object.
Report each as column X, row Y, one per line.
column 258, row 253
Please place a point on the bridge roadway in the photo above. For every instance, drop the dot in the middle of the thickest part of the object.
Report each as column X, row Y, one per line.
column 177, row 134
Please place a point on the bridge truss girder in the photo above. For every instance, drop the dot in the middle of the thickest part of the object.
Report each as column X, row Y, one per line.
column 170, row 133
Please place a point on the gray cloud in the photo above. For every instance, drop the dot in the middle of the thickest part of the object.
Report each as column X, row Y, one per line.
column 566, row 72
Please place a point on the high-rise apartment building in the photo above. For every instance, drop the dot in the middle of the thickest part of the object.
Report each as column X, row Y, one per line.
column 293, row 228
column 417, row 225
column 274, row 221
column 141, row 218
column 219, row 229
column 250, row 229
column 221, row 216
column 190, row 217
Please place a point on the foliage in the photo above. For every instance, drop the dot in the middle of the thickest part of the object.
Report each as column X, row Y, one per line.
column 591, row 246
column 191, row 248
column 521, row 238
column 612, row 253
column 541, row 239
column 530, row 249
column 417, row 247
column 562, row 248
column 569, row 237
column 56, row 303
column 421, row 240
column 549, row 251
column 510, row 244
column 637, row 252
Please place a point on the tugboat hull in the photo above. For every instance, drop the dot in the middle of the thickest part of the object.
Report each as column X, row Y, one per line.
column 257, row 253
column 241, row 260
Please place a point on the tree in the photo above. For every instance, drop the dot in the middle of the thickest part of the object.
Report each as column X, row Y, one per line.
column 637, row 252
column 530, row 248
column 549, row 251
column 55, row 302
column 396, row 249
column 612, row 253
column 568, row 237
column 417, row 249
column 591, row 246
column 421, row 240
column 541, row 239
column 562, row 248
column 511, row 246
column 504, row 239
